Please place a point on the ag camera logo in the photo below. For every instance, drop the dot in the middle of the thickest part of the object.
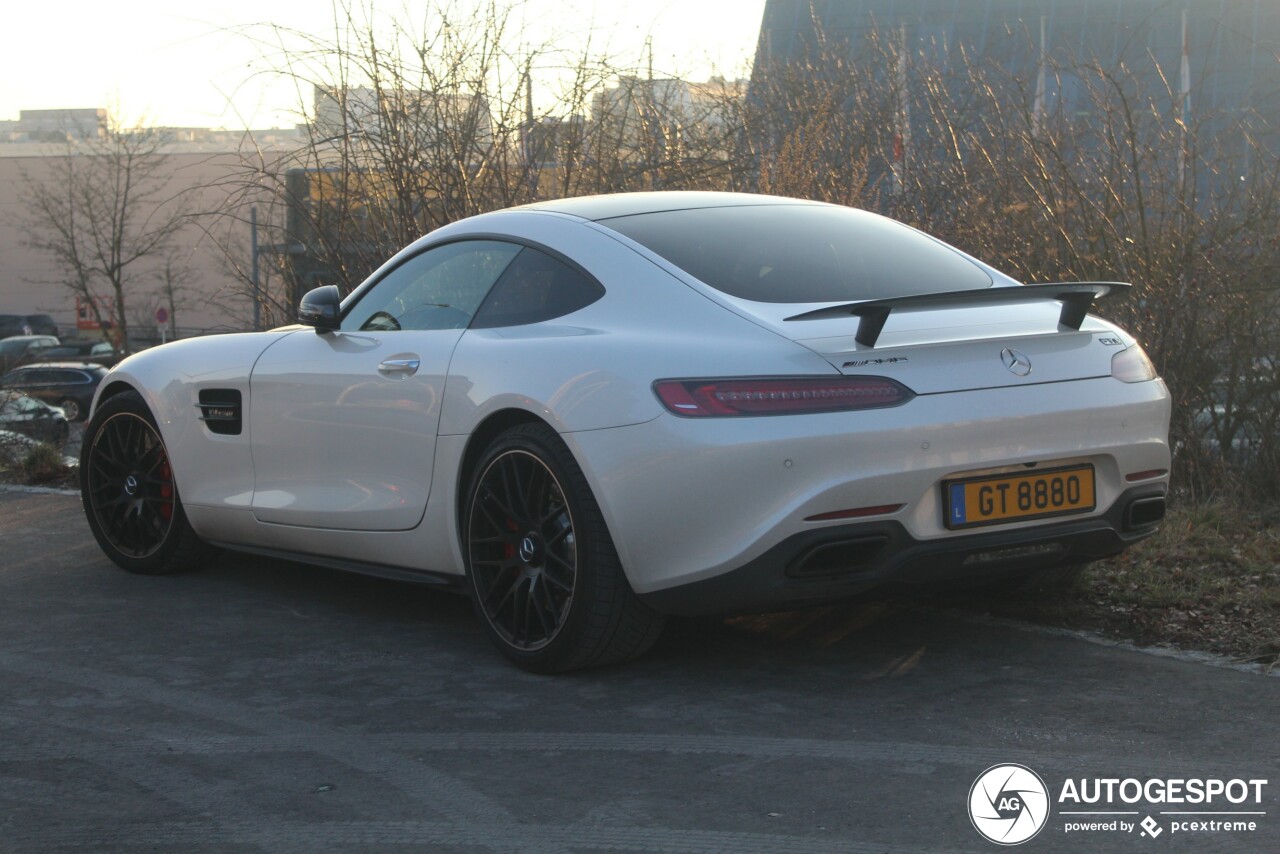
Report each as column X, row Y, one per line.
column 1008, row 804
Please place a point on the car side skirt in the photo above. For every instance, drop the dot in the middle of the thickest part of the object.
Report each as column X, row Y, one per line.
column 440, row 580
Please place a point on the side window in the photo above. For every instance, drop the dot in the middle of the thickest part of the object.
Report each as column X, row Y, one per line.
column 439, row 289
column 534, row 288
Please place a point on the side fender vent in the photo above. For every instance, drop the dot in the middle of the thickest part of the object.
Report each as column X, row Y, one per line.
column 220, row 410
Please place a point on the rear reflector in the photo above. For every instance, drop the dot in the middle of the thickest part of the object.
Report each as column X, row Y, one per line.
column 1145, row 475
column 860, row 512
column 778, row 395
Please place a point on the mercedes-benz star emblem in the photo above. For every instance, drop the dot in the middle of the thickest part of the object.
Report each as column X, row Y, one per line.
column 527, row 549
column 130, row 485
column 1016, row 361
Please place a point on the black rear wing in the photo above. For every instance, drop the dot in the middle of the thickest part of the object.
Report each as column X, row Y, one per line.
column 1076, row 298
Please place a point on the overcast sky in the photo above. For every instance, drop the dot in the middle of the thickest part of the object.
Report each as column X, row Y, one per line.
column 193, row 64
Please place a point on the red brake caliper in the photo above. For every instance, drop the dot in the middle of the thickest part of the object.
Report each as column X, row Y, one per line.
column 166, row 491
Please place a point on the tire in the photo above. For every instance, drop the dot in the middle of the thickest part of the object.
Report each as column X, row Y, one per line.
column 72, row 409
column 543, row 573
column 129, row 494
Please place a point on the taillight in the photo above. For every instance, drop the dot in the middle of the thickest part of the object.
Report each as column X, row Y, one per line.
column 1131, row 365
column 778, row 395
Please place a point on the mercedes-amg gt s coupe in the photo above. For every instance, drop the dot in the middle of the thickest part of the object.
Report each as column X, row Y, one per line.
column 590, row 413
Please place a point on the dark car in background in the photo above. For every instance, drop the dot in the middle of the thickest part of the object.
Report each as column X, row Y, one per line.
column 27, row 324
column 98, row 352
column 18, row 349
column 68, row 385
column 31, row 417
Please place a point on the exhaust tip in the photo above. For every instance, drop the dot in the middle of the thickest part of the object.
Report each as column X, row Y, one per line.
column 1144, row 512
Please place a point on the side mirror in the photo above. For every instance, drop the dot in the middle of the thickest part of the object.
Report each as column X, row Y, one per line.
column 319, row 309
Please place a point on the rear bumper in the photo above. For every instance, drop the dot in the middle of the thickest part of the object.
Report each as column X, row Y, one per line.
column 687, row 500
column 832, row 563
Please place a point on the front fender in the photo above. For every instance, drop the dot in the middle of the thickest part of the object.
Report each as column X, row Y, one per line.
column 208, row 468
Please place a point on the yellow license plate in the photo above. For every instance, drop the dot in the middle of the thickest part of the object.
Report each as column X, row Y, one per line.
column 999, row 498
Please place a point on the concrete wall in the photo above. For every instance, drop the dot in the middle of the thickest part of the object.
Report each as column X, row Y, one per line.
column 30, row 280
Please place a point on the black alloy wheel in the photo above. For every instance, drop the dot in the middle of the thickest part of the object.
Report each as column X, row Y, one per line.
column 129, row 493
column 544, row 575
column 524, row 555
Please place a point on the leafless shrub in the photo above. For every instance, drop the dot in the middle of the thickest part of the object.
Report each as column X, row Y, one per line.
column 1126, row 186
column 414, row 129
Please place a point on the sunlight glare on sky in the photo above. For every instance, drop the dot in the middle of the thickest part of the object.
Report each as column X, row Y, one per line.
column 202, row 65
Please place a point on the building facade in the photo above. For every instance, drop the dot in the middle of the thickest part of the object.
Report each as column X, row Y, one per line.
column 1232, row 47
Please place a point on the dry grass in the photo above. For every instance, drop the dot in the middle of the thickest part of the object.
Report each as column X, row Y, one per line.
column 40, row 465
column 1209, row 580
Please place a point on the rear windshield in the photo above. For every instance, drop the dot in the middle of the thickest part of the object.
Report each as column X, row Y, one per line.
column 802, row 253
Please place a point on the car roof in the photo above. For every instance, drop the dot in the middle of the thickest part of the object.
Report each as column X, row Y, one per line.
column 81, row 366
column 53, row 338
column 628, row 204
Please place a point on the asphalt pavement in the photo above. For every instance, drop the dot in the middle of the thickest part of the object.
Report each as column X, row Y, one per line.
column 261, row 705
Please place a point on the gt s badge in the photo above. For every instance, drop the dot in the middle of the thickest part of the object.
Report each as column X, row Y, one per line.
column 860, row 363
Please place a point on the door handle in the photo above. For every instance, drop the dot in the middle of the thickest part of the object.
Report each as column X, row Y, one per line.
column 399, row 367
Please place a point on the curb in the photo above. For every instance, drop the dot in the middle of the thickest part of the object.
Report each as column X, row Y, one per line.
column 1193, row 656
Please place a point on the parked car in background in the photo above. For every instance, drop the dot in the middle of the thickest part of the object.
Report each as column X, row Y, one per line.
column 18, row 349
column 98, row 352
column 27, row 324
column 31, row 417
column 68, row 385
column 1243, row 420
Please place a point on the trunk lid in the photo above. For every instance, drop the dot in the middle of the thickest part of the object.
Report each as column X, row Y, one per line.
column 936, row 350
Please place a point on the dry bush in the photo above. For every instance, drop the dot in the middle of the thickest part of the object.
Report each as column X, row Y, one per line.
column 1124, row 187
column 420, row 126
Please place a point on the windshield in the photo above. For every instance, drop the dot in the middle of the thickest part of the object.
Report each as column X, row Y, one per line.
column 802, row 253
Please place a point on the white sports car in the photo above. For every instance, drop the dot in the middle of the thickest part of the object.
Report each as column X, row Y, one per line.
column 592, row 412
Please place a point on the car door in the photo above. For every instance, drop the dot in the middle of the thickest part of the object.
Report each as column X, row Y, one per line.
column 35, row 382
column 342, row 425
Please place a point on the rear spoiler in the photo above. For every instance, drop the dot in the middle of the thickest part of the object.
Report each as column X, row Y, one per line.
column 1076, row 299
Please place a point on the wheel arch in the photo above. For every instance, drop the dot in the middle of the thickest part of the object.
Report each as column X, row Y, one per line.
column 112, row 389
column 494, row 425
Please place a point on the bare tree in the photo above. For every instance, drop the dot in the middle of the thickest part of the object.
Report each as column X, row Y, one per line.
column 410, row 128
column 103, row 212
column 412, row 123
